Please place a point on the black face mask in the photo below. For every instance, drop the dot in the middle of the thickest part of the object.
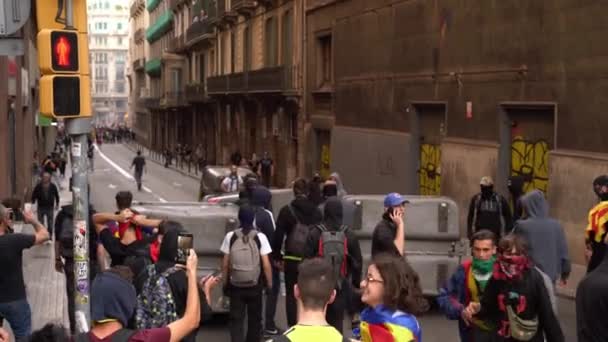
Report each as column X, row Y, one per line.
column 487, row 191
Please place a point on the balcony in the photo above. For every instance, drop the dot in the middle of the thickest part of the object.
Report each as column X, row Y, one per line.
column 268, row 80
column 226, row 16
column 139, row 64
column 244, row 7
column 154, row 67
column 176, row 44
column 173, row 99
column 176, row 4
column 137, row 7
column 195, row 93
column 139, row 35
column 200, row 32
column 148, row 100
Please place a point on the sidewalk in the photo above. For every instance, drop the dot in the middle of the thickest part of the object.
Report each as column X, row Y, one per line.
column 160, row 160
column 577, row 274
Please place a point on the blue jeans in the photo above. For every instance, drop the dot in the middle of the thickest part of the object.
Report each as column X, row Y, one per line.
column 19, row 316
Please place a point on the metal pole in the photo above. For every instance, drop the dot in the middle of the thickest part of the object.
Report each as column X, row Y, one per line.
column 79, row 128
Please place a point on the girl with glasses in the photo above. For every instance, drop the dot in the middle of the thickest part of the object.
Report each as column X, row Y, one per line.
column 391, row 289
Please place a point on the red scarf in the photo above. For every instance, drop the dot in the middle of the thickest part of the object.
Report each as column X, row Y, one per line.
column 513, row 267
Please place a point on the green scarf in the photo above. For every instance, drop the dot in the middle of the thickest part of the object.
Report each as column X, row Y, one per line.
column 482, row 271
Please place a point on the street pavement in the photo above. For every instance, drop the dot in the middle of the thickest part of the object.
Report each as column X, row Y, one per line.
column 112, row 174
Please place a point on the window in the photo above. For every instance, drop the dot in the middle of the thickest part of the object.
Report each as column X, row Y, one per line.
column 119, row 26
column 119, row 87
column 105, row 26
column 270, row 48
column 287, row 39
column 119, row 40
column 201, row 68
column 246, row 49
column 232, row 51
column 107, row 6
column 325, row 67
column 120, row 72
column 176, row 80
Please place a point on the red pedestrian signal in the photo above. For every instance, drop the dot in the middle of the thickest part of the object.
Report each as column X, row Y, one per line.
column 64, row 45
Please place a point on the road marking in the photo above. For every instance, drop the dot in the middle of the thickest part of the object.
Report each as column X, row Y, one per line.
column 111, row 186
column 126, row 174
column 176, row 184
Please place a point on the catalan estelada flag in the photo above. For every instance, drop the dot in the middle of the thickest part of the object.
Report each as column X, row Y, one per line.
column 384, row 325
column 598, row 217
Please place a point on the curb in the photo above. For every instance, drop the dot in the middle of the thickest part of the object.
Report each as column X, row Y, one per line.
column 184, row 173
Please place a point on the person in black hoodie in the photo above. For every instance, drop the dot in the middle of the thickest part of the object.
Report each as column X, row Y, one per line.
column 300, row 212
column 592, row 304
column 332, row 222
column 178, row 281
column 489, row 210
column 515, row 184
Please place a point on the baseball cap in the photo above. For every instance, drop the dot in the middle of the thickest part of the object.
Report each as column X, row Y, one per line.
column 394, row 199
column 486, row 181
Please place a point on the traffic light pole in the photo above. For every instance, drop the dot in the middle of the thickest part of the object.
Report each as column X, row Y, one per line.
column 79, row 129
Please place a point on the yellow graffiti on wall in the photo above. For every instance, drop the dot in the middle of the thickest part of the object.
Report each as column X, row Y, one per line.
column 530, row 159
column 430, row 170
column 325, row 162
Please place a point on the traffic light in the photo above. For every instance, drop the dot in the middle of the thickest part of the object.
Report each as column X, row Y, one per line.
column 58, row 51
column 65, row 96
column 65, row 84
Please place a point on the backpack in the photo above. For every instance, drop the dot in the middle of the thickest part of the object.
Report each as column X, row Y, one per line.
column 155, row 304
column 67, row 237
column 333, row 247
column 245, row 265
column 122, row 335
column 297, row 239
column 284, row 338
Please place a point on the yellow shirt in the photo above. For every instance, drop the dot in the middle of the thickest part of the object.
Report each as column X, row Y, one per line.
column 308, row 333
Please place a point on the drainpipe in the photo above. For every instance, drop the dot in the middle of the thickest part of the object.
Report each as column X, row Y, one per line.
column 303, row 133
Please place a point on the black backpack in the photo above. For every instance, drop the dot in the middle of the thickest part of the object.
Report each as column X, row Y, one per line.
column 295, row 245
column 67, row 237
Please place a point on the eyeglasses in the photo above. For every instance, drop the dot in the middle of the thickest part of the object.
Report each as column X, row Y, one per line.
column 369, row 279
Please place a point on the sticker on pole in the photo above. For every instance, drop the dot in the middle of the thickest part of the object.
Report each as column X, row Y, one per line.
column 80, row 245
column 76, row 149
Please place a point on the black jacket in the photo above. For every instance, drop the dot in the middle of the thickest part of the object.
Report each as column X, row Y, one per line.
column 307, row 213
column 383, row 238
column 491, row 212
column 537, row 304
column 592, row 305
column 48, row 200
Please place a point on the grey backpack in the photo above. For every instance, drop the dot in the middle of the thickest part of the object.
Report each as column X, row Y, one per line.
column 245, row 265
column 333, row 247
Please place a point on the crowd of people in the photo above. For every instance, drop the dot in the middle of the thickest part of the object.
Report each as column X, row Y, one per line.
column 150, row 291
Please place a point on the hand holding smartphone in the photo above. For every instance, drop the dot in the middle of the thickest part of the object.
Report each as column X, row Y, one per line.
column 184, row 245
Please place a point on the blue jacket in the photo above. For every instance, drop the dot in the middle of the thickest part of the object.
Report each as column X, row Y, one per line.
column 452, row 299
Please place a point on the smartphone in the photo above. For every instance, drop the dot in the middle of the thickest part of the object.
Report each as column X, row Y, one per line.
column 217, row 273
column 27, row 207
column 184, row 245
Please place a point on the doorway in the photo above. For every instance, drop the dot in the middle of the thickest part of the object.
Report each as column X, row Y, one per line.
column 527, row 135
column 428, row 127
column 322, row 152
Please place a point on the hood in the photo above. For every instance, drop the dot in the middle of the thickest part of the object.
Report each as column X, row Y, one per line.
column 333, row 213
column 339, row 184
column 307, row 211
column 516, row 185
column 261, row 196
column 112, row 297
column 168, row 247
column 535, row 205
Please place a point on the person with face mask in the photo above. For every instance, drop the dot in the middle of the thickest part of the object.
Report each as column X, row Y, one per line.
column 467, row 285
column 489, row 210
column 596, row 228
column 233, row 181
column 516, row 302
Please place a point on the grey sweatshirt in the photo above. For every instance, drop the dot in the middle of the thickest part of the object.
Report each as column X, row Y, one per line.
column 545, row 236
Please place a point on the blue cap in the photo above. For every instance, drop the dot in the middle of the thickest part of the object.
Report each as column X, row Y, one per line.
column 394, row 199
